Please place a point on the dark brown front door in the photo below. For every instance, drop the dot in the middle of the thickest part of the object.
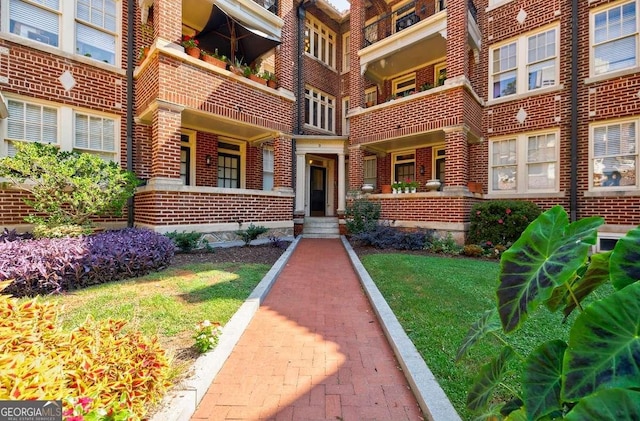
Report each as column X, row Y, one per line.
column 317, row 188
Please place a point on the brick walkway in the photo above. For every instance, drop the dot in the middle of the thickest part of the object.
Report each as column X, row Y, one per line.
column 313, row 351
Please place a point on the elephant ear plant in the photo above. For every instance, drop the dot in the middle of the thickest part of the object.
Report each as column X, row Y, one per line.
column 595, row 375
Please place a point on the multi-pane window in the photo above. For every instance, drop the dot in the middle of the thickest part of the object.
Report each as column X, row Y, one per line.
column 267, row 168
column 67, row 127
column 370, row 170
column 525, row 163
column 345, row 120
column 31, row 123
column 404, row 85
column 96, row 29
column 614, row 155
column 371, row 96
column 404, row 17
column 319, row 109
column 404, row 166
column 229, row 165
column 346, row 52
column 320, row 41
column 36, row 20
column 525, row 64
column 96, row 135
column 614, row 38
column 95, row 26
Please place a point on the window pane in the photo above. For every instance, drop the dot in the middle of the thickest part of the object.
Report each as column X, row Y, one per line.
column 615, row 55
column 33, row 22
column 504, row 84
column 542, row 74
column 504, row 178
column 96, row 44
column 541, row 176
column 614, row 151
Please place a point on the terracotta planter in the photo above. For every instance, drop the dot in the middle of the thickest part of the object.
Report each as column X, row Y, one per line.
column 385, row 188
column 144, row 53
column 258, row 79
column 272, row 84
column 193, row 51
column 474, row 187
column 236, row 71
column 216, row 62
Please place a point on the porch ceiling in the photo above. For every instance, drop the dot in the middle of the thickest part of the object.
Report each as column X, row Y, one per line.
column 218, row 125
column 225, row 127
column 415, row 141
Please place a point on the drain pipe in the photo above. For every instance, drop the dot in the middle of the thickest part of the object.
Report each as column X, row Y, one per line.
column 129, row 123
column 573, row 199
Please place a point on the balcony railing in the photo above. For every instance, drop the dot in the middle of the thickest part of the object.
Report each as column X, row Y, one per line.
column 403, row 18
column 270, row 5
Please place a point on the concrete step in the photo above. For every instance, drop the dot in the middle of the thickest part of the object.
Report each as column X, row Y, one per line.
column 321, row 227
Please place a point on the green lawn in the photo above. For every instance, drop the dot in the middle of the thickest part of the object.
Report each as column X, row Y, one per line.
column 436, row 299
column 167, row 303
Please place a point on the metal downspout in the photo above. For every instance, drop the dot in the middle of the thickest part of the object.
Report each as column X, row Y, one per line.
column 573, row 201
column 129, row 130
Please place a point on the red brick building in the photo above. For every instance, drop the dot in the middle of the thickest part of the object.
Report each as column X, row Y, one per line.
column 489, row 97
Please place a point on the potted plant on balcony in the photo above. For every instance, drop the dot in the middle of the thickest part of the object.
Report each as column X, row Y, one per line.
column 190, row 45
column 237, row 67
column 272, row 80
column 144, row 52
column 411, row 186
column 397, row 187
column 253, row 73
column 214, row 58
column 425, row 87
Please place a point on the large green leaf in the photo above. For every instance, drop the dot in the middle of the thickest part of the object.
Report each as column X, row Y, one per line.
column 546, row 255
column 625, row 260
column 596, row 275
column 604, row 346
column 490, row 376
column 607, row 405
column 489, row 322
column 542, row 379
column 519, row 415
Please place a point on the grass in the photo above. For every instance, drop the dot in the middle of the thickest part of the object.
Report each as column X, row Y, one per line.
column 167, row 303
column 436, row 299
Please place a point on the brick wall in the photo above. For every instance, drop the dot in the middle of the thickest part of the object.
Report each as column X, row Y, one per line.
column 175, row 208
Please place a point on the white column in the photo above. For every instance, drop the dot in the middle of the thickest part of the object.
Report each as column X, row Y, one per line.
column 300, row 183
column 341, row 186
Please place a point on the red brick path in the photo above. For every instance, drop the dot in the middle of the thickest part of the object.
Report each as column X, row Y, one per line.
column 313, row 351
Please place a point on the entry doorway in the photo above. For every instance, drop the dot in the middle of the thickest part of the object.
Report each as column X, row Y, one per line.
column 317, row 188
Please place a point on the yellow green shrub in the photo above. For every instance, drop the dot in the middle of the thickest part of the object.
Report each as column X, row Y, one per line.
column 118, row 371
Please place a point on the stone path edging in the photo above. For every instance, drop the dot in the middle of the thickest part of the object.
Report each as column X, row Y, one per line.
column 431, row 398
column 182, row 401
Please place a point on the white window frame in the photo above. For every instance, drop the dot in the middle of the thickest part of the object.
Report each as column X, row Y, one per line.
column 633, row 152
column 65, row 125
column 345, row 120
column 522, row 64
column 242, row 153
column 88, row 149
column 522, row 164
column 67, row 24
column 400, row 80
column 326, row 55
column 346, row 52
column 322, row 98
column 92, row 26
column 268, row 166
column 592, row 34
column 369, row 163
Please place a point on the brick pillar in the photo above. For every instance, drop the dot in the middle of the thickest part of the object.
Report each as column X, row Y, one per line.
column 165, row 144
column 282, row 162
column 356, row 26
column 457, row 166
column 167, row 19
column 286, row 60
column 356, row 169
column 457, row 33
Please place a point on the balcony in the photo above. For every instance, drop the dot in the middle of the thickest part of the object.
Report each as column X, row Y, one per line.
column 407, row 38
